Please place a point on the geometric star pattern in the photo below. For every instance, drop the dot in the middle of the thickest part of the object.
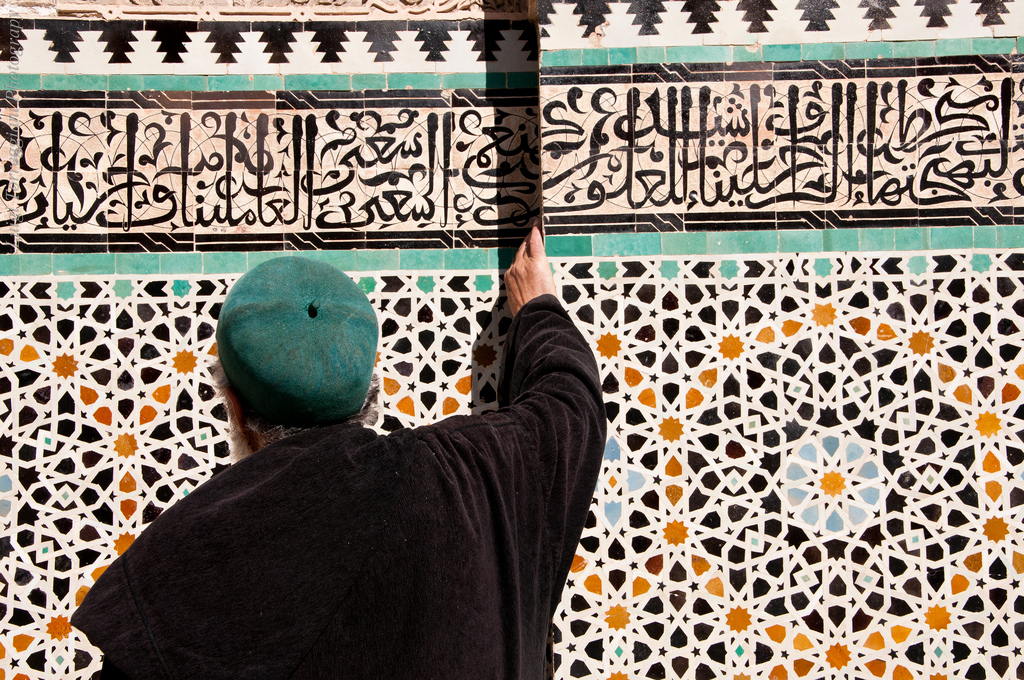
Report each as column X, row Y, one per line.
column 813, row 464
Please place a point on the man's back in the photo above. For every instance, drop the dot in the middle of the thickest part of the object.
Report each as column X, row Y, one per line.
column 437, row 552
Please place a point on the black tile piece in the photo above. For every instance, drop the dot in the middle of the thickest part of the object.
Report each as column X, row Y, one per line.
column 738, row 220
column 7, row 242
column 312, row 240
column 382, row 36
column 936, row 11
column 756, row 13
column 980, row 216
column 150, row 242
column 304, row 99
column 489, row 98
column 561, row 221
column 59, row 241
column 149, row 100
column 119, row 36
column 434, row 36
column 407, row 99
column 484, row 35
column 647, row 15
column 818, row 70
column 893, row 217
column 800, row 219
column 528, row 34
column 225, row 37
column 278, row 37
column 701, row 15
column 12, row 32
column 239, row 242
column 660, row 222
column 171, row 38
column 63, row 36
column 817, row 14
column 425, row 238
column 330, row 38
column 231, row 101
column 73, row 99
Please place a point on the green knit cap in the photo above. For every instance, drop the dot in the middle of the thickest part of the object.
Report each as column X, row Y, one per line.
column 298, row 341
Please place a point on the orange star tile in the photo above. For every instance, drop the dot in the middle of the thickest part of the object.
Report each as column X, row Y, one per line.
column 617, row 617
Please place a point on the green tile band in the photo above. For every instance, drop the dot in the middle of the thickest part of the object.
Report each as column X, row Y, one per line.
column 621, row 56
column 621, row 245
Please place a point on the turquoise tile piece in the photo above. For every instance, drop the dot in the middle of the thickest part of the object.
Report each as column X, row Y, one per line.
column 231, row 83
column 176, row 83
column 993, row 45
column 422, row 259
column 181, row 288
column 597, row 57
column 267, row 83
column 607, row 269
column 368, row 284
column 65, row 290
column 1008, row 236
column 501, row 258
column 561, row 58
column 743, row 242
column 746, row 53
column 125, row 83
column 981, row 262
column 425, row 283
column 650, row 55
column 345, row 260
column 414, row 81
column 684, row 243
column 800, row 241
column 728, row 269
column 913, row 238
column 621, row 55
column 627, row 244
column 669, row 269
column 377, row 260
column 952, row 238
column 181, row 263
column 369, row 81
column 224, row 263
column 123, row 288
column 568, row 246
column 62, row 81
column 683, row 54
column 522, row 79
column 483, row 283
column 36, row 264
column 26, row 81
column 917, row 265
column 137, row 263
column 781, row 52
column 813, row 51
column 466, row 258
column 881, row 240
column 985, row 236
column 869, row 50
column 83, row 263
column 324, row 81
column 823, row 266
column 840, row 240
column 10, row 265
column 913, row 49
column 1020, row 45
column 453, row 81
column 953, row 47
column 258, row 257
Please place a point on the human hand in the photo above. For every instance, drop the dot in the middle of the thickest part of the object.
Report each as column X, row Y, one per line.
column 530, row 275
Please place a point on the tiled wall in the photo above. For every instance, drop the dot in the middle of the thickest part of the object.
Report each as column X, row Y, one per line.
column 792, row 231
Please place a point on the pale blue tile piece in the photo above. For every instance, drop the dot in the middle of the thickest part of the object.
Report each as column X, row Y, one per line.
column 684, row 243
column 728, row 269
column 985, row 236
column 981, row 262
column 33, row 264
column 83, row 263
column 781, row 52
column 377, row 260
column 466, row 258
column 815, row 51
column 743, row 242
column 123, row 288
column 917, row 265
column 10, row 265
column 953, row 47
column 913, row 49
column 345, row 260
column 181, row 263
column 823, row 266
column 650, row 55
column 627, row 244
column 952, row 238
column 137, row 263
column 594, row 57
column 912, row 238
column 883, row 239
column 561, row 58
column 420, row 259
column 568, row 246
column 224, row 263
column 993, row 45
column 369, row 81
column 840, row 240
column 800, row 241
column 669, row 269
column 619, row 55
column 869, row 50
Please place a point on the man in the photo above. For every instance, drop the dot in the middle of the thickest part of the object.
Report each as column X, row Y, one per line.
column 437, row 552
